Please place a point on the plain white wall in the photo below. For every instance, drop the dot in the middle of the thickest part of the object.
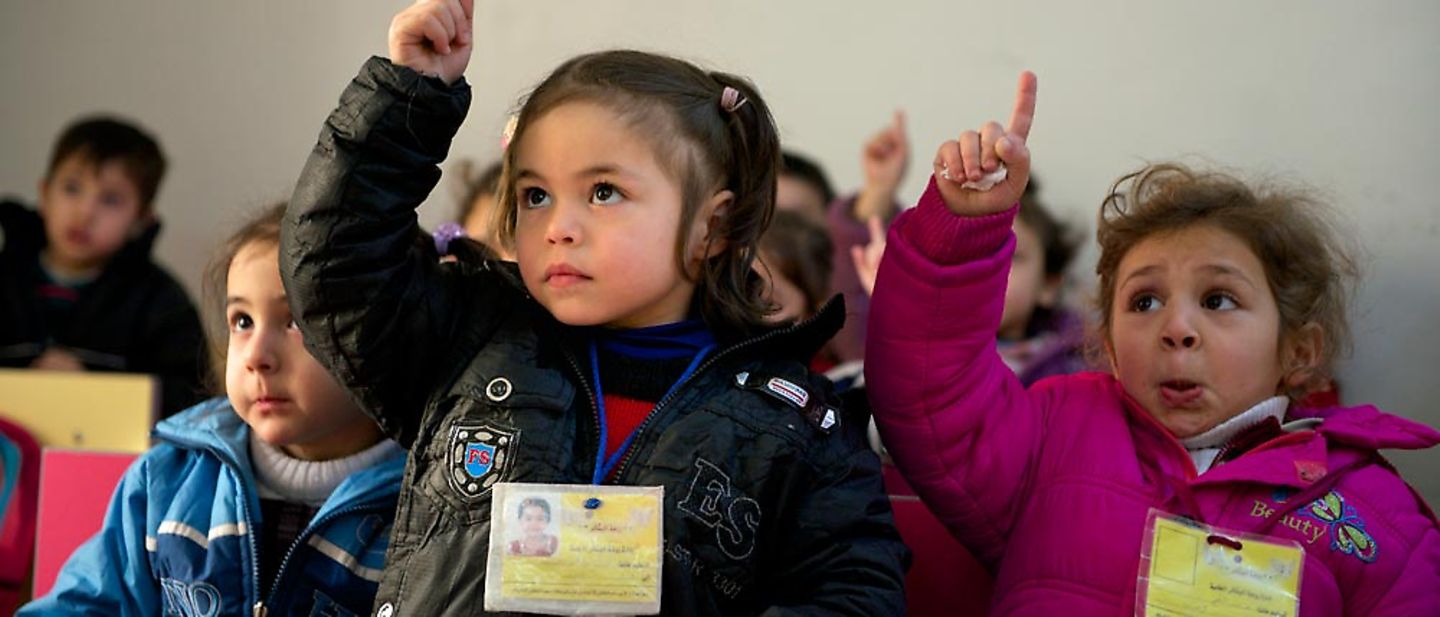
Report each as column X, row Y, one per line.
column 1339, row 96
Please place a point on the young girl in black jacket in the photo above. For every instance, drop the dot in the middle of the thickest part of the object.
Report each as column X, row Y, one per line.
column 626, row 347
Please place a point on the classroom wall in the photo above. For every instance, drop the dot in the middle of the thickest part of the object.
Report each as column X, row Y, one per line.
column 1337, row 96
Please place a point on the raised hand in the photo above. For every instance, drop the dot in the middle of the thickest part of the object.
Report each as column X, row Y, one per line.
column 434, row 37
column 974, row 154
column 884, row 159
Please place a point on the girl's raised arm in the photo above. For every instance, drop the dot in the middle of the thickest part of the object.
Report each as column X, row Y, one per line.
column 366, row 289
column 956, row 420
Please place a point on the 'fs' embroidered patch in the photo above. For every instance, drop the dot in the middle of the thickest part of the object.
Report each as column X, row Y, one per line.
column 478, row 455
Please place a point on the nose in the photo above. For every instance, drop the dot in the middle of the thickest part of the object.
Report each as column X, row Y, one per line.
column 260, row 352
column 1179, row 332
column 564, row 224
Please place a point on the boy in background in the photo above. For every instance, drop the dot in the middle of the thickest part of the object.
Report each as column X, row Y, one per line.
column 78, row 289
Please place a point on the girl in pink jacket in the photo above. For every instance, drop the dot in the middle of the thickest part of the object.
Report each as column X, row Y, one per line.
column 1220, row 307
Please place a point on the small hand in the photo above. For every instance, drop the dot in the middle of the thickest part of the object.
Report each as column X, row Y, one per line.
column 884, row 159
column 886, row 155
column 434, row 37
column 976, row 154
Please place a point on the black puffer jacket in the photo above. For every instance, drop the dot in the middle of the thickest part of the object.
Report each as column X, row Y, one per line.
column 765, row 510
column 133, row 318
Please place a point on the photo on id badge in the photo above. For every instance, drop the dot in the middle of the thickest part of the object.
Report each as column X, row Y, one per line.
column 533, row 533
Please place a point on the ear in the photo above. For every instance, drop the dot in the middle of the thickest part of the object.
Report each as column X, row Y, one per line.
column 706, row 231
column 1110, row 357
column 1301, row 354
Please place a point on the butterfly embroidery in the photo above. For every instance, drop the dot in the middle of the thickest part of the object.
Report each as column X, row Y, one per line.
column 1347, row 530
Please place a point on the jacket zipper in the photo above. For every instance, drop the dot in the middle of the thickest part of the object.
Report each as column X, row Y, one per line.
column 260, row 609
column 594, row 406
column 654, row 413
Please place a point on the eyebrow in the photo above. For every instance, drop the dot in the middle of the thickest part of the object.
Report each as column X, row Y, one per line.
column 233, row 300
column 1138, row 273
column 1217, row 269
column 1227, row 270
column 602, row 169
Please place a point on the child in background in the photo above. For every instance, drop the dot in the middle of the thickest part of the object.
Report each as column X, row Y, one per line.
column 478, row 207
column 884, row 158
column 1038, row 336
column 278, row 498
column 80, row 290
column 802, row 187
column 794, row 260
column 626, row 346
column 1221, row 306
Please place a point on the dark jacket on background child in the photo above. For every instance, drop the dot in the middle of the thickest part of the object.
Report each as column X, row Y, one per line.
column 768, row 506
column 134, row 317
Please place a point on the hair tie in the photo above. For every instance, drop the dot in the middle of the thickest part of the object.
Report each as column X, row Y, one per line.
column 445, row 234
column 730, row 99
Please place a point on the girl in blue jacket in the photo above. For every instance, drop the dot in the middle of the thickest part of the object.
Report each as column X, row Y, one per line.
column 277, row 498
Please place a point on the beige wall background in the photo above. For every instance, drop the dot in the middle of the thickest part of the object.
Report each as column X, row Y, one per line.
column 1338, row 96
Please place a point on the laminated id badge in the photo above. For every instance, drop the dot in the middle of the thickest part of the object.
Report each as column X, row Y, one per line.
column 1191, row 569
column 571, row 549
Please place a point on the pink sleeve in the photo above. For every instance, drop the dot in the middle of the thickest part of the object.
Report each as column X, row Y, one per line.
column 958, row 423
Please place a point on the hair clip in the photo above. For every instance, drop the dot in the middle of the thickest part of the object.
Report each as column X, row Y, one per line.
column 730, row 99
column 509, row 131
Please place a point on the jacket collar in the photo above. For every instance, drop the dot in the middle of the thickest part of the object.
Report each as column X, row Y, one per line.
column 214, row 426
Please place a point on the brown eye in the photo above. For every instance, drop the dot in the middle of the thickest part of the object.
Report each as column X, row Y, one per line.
column 1145, row 303
column 1219, row 302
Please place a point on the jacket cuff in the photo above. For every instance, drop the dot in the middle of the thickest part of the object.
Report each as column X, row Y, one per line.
column 442, row 107
column 946, row 238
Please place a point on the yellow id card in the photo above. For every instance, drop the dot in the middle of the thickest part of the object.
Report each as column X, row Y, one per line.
column 1189, row 569
column 568, row 549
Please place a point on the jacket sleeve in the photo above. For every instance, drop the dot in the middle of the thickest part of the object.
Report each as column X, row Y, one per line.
column 957, row 421
column 841, row 553
column 373, row 303
column 110, row 573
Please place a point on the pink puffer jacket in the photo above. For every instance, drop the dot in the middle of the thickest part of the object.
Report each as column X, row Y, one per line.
column 1050, row 486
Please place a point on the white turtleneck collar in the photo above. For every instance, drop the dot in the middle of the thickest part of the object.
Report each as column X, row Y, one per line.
column 281, row 476
column 1203, row 448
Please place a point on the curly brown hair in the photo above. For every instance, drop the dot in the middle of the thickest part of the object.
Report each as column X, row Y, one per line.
column 1310, row 270
column 676, row 105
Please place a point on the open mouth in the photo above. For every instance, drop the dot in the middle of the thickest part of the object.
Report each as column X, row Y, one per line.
column 1179, row 392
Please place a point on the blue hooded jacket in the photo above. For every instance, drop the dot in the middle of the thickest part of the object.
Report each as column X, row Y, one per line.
column 180, row 535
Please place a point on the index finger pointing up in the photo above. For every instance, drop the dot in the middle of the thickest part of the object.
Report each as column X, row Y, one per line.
column 1024, row 113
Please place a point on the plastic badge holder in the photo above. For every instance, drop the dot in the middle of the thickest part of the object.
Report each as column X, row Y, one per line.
column 1189, row 569
column 575, row 549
